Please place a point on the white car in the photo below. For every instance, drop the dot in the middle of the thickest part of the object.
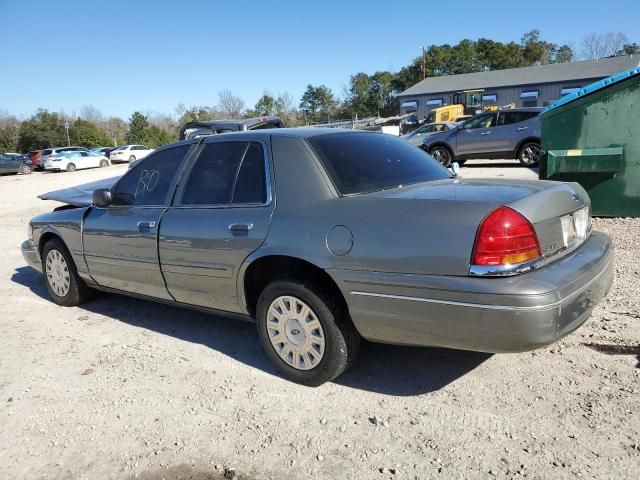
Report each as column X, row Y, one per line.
column 72, row 161
column 129, row 153
column 47, row 152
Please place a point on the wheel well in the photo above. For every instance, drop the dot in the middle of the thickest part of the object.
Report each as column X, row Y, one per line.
column 441, row 144
column 526, row 140
column 44, row 238
column 267, row 269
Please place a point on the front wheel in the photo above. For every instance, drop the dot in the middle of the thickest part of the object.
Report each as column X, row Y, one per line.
column 25, row 169
column 306, row 332
column 442, row 155
column 61, row 277
column 71, row 167
column 529, row 154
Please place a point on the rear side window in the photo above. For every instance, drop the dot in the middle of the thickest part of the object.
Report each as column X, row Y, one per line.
column 227, row 172
column 47, row 152
column 507, row 118
column 148, row 182
column 366, row 162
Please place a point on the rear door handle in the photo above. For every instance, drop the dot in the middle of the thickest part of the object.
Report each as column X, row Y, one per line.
column 240, row 227
column 522, row 128
column 146, row 225
column 485, row 133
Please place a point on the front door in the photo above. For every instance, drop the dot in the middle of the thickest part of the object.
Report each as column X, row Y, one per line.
column 474, row 138
column 220, row 215
column 120, row 241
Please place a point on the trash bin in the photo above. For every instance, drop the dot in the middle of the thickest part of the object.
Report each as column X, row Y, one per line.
column 592, row 137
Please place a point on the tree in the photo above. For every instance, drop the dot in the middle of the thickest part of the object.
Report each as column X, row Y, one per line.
column 596, row 45
column 91, row 114
column 42, row 130
column 629, row 49
column 266, row 105
column 156, row 137
column 9, row 132
column 229, row 104
column 116, row 129
column 318, row 103
column 138, row 128
column 87, row 134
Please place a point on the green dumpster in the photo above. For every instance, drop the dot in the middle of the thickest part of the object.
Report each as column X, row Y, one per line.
column 593, row 137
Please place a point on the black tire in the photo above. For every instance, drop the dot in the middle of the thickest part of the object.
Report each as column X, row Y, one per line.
column 441, row 154
column 342, row 341
column 71, row 167
column 104, row 163
column 132, row 159
column 79, row 292
column 25, row 169
column 529, row 154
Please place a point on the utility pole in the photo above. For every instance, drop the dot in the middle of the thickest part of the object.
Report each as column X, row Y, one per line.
column 424, row 63
column 66, row 127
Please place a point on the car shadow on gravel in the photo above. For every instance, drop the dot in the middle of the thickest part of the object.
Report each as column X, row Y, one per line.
column 385, row 369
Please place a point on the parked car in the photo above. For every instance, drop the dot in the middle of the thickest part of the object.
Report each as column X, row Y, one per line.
column 417, row 136
column 15, row 163
column 100, row 150
column 332, row 235
column 72, row 161
column 44, row 155
column 214, row 127
column 34, row 156
column 129, row 153
column 513, row 133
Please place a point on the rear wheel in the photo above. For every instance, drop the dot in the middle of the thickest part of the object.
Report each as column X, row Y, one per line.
column 71, row 167
column 306, row 332
column 61, row 277
column 104, row 163
column 529, row 154
column 442, row 155
column 25, row 169
column 132, row 158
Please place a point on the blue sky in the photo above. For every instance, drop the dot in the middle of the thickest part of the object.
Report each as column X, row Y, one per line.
column 121, row 56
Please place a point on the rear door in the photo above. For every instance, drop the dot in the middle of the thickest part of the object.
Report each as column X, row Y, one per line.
column 121, row 241
column 511, row 127
column 474, row 138
column 220, row 215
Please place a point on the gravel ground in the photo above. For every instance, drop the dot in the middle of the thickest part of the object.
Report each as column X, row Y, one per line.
column 123, row 388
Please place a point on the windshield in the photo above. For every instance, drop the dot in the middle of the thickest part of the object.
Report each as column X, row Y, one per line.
column 366, row 162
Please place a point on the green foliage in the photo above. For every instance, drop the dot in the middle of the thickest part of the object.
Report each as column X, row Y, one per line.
column 318, row 104
column 42, row 130
column 156, row 137
column 87, row 134
column 9, row 133
column 266, row 105
column 371, row 95
column 138, row 127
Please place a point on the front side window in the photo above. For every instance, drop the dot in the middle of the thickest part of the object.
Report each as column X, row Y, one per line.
column 367, row 162
column 225, row 173
column 148, row 182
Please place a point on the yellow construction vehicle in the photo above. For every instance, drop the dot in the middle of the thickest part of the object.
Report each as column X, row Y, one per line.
column 463, row 105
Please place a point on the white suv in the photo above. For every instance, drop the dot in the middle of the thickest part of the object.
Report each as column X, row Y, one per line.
column 47, row 152
column 129, row 153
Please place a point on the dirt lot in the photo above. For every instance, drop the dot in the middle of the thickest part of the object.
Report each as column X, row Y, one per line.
column 122, row 388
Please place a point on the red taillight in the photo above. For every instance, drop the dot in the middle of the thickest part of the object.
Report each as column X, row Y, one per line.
column 505, row 238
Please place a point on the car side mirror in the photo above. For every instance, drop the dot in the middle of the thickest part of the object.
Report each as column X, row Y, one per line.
column 455, row 168
column 102, row 197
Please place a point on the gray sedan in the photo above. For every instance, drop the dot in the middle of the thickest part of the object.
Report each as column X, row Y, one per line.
column 417, row 136
column 324, row 237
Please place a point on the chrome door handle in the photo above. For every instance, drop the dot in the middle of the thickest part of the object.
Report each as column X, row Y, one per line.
column 146, row 225
column 240, row 227
column 522, row 128
column 485, row 133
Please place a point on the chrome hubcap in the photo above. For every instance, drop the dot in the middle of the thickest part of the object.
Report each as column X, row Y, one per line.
column 295, row 333
column 531, row 154
column 439, row 156
column 58, row 273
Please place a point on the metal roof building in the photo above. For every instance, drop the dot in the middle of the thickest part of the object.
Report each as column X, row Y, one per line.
column 535, row 86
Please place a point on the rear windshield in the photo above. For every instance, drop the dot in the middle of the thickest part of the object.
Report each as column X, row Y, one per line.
column 47, row 152
column 366, row 162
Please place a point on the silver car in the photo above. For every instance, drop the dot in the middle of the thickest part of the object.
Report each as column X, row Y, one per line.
column 417, row 136
column 327, row 236
column 513, row 133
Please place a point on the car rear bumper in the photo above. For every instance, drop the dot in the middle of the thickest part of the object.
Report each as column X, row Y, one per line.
column 511, row 314
column 31, row 255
